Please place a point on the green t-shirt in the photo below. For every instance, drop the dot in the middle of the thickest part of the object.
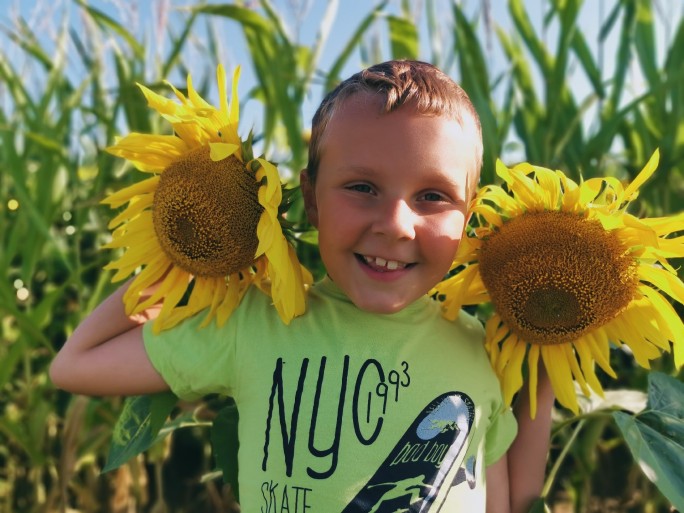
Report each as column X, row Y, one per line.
column 344, row 410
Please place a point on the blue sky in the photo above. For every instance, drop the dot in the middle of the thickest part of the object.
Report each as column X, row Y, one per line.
column 153, row 18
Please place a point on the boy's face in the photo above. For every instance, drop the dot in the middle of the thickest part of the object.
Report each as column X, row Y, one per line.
column 389, row 201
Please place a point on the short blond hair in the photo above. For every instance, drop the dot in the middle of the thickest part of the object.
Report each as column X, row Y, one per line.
column 398, row 83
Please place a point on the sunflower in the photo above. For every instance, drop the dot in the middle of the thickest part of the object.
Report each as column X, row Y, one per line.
column 568, row 272
column 206, row 224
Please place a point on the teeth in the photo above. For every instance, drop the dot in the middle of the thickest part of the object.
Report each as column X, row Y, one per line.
column 391, row 265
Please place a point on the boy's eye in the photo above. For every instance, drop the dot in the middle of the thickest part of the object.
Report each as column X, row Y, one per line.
column 433, row 196
column 360, row 187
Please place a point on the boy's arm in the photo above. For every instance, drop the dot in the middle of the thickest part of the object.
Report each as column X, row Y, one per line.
column 521, row 471
column 105, row 355
column 528, row 455
column 497, row 487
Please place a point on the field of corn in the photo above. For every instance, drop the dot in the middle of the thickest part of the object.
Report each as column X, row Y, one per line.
column 547, row 89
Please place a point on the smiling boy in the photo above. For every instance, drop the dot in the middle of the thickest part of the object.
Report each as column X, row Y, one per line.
column 389, row 198
column 371, row 401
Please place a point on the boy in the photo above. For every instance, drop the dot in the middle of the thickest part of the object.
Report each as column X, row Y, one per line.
column 371, row 401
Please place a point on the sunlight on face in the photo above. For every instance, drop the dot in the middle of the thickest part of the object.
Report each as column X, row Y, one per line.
column 389, row 201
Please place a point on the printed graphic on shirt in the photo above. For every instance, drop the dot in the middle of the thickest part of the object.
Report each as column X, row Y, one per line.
column 413, row 473
column 373, row 390
column 411, row 477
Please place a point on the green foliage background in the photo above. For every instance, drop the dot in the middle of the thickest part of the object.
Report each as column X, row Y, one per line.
column 55, row 121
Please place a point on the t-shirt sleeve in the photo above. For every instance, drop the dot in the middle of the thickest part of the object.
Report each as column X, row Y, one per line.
column 500, row 436
column 503, row 427
column 193, row 361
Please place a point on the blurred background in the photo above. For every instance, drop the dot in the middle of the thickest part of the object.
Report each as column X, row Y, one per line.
column 591, row 88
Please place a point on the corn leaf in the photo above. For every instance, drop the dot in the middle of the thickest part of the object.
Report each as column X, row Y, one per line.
column 333, row 76
column 403, row 38
column 137, row 427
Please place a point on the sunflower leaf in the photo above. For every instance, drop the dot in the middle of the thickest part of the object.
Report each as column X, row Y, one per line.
column 665, row 394
column 656, row 436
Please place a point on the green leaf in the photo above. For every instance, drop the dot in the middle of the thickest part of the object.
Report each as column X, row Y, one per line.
column 11, row 356
column 324, row 31
column 28, row 41
column 656, row 436
column 136, row 429
column 526, row 31
column 333, row 75
column 623, row 56
column 665, row 394
column 131, row 97
column 104, row 21
column 403, row 38
column 539, row 506
column 177, row 45
column 17, row 434
column 585, row 58
column 471, row 56
column 247, row 17
column 225, row 443
column 644, row 41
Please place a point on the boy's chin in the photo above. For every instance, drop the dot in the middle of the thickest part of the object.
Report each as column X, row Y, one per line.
column 381, row 306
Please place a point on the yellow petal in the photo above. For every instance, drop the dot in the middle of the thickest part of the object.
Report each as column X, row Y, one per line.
column 575, row 368
column 587, row 364
column 234, row 115
column 669, row 320
column 512, row 375
column 550, row 185
column 590, row 189
column 454, row 288
column 132, row 210
column 650, row 167
column 598, row 344
column 133, row 258
column 494, row 325
column 665, row 225
column 158, row 102
column 223, row 96
column 533, row 367
column 220, row 151
column 230, row 301
column 664, row 280
column 118, row 198
column 151, row 274
column 173, row 293
column 149, row 153
column 507, row 350
column 559, row 373
column 525, row 190
column 490, row 215
column 271, row 193
column 134, row 233
column 644, row 319
column 571, row 194
column 506, row 204
column 196, row 99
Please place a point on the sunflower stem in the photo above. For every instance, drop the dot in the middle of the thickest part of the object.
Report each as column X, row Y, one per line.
column 559, row 461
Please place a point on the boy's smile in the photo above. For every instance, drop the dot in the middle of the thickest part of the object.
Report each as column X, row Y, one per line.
column 389, row 201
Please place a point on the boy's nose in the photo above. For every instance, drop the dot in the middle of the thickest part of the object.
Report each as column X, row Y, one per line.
column 396, row 220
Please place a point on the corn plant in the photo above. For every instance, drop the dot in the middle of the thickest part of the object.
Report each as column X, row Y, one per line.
column 65, row 98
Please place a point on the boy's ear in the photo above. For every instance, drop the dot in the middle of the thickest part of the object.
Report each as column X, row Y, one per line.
column 309, row 196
